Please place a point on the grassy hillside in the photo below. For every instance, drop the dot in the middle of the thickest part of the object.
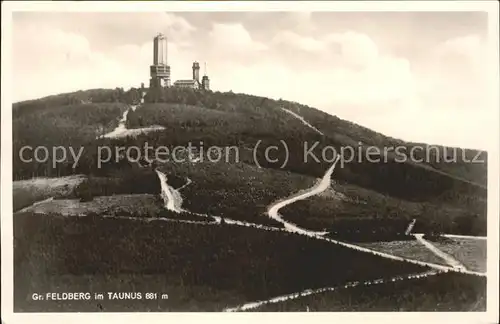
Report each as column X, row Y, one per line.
column 448, row 191
column 66, row 126
column 201, row 267
column 470, row 252
column 27, row 192
column 248, row 118
column 67, row 245
column 359, row 214
column 242, row 112
column 237, row 191
column 351, row 133
column 28, row 107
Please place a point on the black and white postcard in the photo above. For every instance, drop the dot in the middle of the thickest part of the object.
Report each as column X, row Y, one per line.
column 310, row 161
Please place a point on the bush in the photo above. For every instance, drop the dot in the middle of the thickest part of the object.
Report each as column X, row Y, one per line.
column 84, row 192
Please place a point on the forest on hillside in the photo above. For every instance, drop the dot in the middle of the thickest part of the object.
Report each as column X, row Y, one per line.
column 188, row 255
column 226, row 119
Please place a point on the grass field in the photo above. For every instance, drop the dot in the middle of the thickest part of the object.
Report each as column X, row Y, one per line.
column 470, row 252
column 229, row 264
column 119, row 206
column 27, row 192
column 410, row 249
column 142, row 205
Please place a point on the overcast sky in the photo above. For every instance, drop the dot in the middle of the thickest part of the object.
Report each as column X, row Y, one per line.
column 415, row 76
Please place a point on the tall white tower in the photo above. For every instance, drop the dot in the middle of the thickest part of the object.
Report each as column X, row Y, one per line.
column 160, row 70
column 160, row 50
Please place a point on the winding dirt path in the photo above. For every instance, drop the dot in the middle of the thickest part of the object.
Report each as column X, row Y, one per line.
column 446, row 257
column 302, row 120
column 465, row 237
column 273, row 212
column 171, row 197
column 173, row 201
column 122, row 131
column 36, row 203
column 321, row 186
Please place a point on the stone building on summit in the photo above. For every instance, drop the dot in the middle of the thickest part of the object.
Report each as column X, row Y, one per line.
column 194, row 83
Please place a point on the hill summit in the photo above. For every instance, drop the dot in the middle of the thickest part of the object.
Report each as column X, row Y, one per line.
column 241, row 120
